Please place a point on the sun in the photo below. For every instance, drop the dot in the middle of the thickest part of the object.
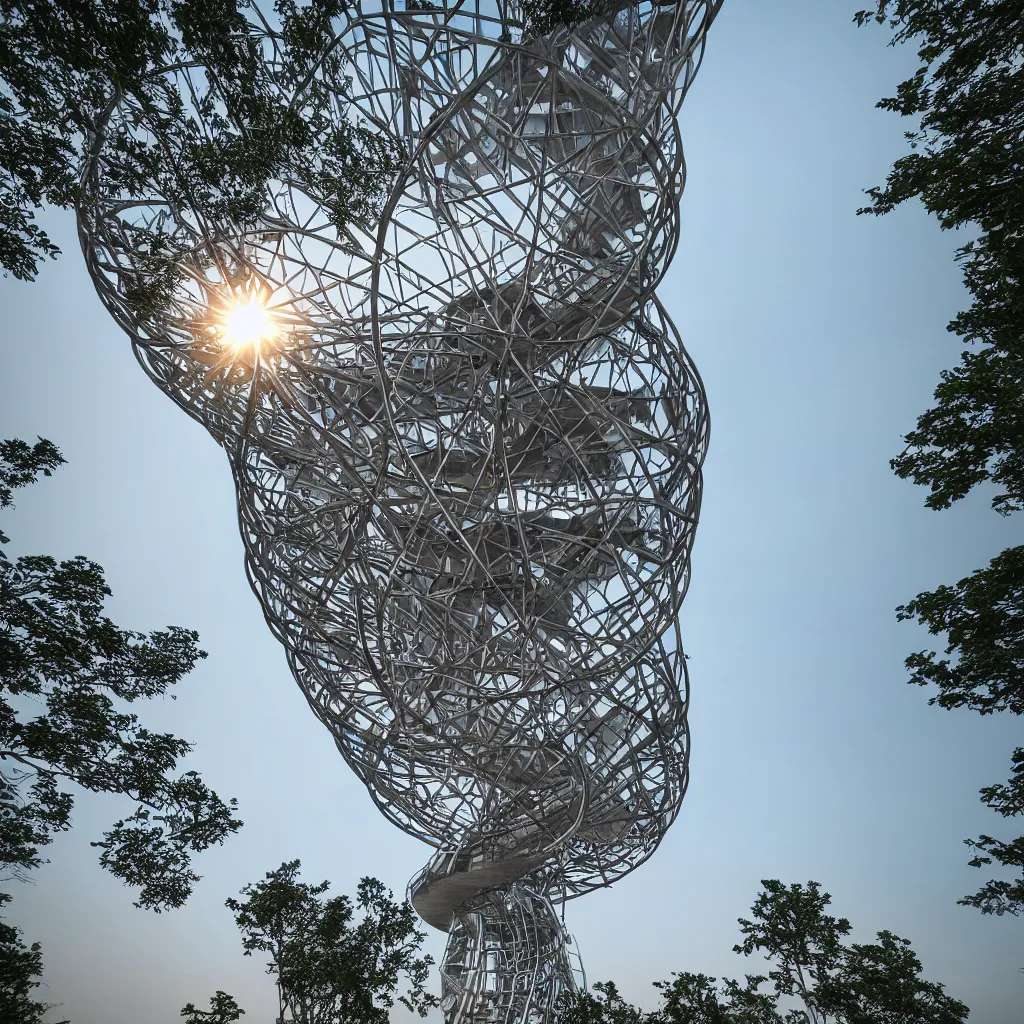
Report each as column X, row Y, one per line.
column 247, row 322
column 239, row 330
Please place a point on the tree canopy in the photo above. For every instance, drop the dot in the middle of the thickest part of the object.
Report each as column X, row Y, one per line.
column 262, row 112
column 21, row 967
column 335, row 960
column 65, row 63
column 966, row 167
column 543, row 16
column 818, row 976
column 67, row 675
column 223, row 1010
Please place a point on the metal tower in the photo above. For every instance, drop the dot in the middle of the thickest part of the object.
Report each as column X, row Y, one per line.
column 466, row 441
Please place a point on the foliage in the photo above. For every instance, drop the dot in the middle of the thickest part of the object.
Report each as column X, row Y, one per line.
column 223, row 1010
column 544, row 16
column 20, row 968
column 966, row 166
column 695, row 999
column 804, row 944
column 1001, row 896
column 21, row 465
column 983, row 617
column 331, row 968
column 66, row 672
column 65, row 63
column 835, row 981
column 604, row 1006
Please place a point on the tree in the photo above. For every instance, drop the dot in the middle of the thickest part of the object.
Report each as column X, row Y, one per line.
column 330, row 968
column 63, row 63
column 20, row 968
column 840, row 981
column 803, row 943
column 966, row 166
column 696, row 999
column 983, row 618
column 605, row 1006
column 66, row 674
column 223, row 1010
column 812, row 963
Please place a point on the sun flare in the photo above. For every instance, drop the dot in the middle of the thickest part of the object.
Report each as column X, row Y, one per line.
column 248, row 322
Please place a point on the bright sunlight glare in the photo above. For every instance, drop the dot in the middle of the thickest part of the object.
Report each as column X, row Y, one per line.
column 248, row 323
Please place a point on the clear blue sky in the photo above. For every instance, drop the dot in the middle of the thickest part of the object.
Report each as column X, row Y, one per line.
column 820, row 336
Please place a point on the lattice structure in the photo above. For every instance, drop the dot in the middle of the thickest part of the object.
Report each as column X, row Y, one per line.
column 467, row 441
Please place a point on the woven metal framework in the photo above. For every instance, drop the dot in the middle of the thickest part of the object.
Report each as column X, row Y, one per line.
column 466, row 440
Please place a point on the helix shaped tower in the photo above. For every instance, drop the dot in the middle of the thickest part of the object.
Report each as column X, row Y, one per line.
column 466, row 441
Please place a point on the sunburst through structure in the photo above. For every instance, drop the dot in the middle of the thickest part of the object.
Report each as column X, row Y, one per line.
column 246, row 322
column 466, row 440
